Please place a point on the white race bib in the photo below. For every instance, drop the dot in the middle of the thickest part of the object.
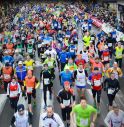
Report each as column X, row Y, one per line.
column 66, row 102
column 29, row 67
column 109, row 44
column 106, row 58
column 39, row 45
column 29, row 89
column 110, row 91
column 46, row 81
column 29, row 50
column 50, row 64
column 7, row 76
column 71, row 50
column 13, row 93
column 97, row 82
column 84, row 122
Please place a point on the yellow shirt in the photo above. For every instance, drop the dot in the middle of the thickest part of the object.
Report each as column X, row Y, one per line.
column 29, row 64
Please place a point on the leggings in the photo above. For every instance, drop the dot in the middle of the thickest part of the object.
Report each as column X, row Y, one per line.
column 94, row 92
column 111, row 98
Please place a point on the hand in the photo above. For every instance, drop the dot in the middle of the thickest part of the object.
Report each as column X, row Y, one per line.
column 92, row 124
column 62, row 106
column 8, row 96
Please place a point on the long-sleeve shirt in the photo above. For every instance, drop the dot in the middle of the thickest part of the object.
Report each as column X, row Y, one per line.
column 54, row 121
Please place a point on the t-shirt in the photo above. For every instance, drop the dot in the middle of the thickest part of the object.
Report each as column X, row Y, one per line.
column 83, row 115
column 115, row 120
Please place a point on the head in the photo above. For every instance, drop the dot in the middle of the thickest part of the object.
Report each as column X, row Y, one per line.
column 20, row 109
column 79, row 57
column 29, row 74
column 46, row 66
column 115, row 64
column 49, row 111
column 67, row 69
column 28, row 57
column 49, row 56
column 83, row 102
column 112, row 75
column 20, row 64
column 66, row 85
column 96, row 70
column 80, row 66
column 7, row 65
column 70, row 61
column 97, row 59
column 116, row 109
column 13, row 79
column 119, row 44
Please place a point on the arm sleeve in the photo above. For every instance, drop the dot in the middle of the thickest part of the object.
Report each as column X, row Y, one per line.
column 59, row 121
column 59, row 97
column 19, row 88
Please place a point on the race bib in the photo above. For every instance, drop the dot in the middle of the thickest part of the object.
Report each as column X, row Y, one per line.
column 19, row 50
column 50, row 64
column 9, row 50
column 71, row 50
column 7, row 76
column 109, row 44
column 39, row 45
column 60, row 39
column 106, row 58
column 46, row 81
column 97, row 82
column 14, row 93
column 29, row 89
column 29, row 67
column 110, row 91
column 119, row 54
column 84, row 122
column 92, row 38
column 29, row 50
column 66, row 102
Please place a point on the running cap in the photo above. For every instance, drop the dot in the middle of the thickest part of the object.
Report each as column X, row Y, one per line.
column 20, row 107
column 20, row 63
column 66, row 83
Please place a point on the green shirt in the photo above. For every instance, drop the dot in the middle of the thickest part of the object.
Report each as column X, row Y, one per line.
column 83, row 115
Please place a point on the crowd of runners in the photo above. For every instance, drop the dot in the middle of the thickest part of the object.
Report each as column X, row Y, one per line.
column 50, row 32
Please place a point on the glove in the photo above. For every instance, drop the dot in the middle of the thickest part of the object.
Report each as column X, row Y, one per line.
column 7, row 96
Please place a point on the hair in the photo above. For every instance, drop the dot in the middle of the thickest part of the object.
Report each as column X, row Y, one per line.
column 82, row 98
column 50, row 106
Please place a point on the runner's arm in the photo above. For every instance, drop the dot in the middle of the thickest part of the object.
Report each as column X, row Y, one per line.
column 107, row 119
column 59, row 121
column 30, row 118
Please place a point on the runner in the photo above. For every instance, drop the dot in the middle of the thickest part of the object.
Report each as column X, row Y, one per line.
column 111, row 86
column 115, row 118
column 22, row 118
column 96, row 86
column 83, row 113
column 13, row 93
column 31, row 84
column 51, row 119
column 7, row 73
column 66, row 102
column 80, row 77
column 47, row 77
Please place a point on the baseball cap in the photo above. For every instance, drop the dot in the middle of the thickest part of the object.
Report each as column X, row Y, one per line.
column 66, row 83
column 20, row 107
column 20, row 62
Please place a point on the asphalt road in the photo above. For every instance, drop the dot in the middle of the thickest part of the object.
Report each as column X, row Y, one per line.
column 7, row 113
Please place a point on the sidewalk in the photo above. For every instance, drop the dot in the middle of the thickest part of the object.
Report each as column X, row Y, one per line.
column 3, row 99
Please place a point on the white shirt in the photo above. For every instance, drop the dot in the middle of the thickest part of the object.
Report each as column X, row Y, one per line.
column 115, row 120
column 55, row 121
column 51, row 52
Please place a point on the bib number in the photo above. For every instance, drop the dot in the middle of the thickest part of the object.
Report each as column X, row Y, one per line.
column 109, row 44
column 29, row 89
column 84, row 122
column 66, row 102
column 6, row 76
column 46, row 81
column 97, row 82
column 29, row 50
column 110, row 91
column 106, row 58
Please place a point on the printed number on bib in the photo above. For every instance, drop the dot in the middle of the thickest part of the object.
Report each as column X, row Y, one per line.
column 110, row 91
column 29, row 50
column 29, row 89
column 71, row 50
column 97, row 82
column 14, row 93
column 66, row 102
column 50, row 64
column 84, row 122
column 106, row 58
column 39, row 45
column 46, row 81
column 6, row 76
column 109, row 44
